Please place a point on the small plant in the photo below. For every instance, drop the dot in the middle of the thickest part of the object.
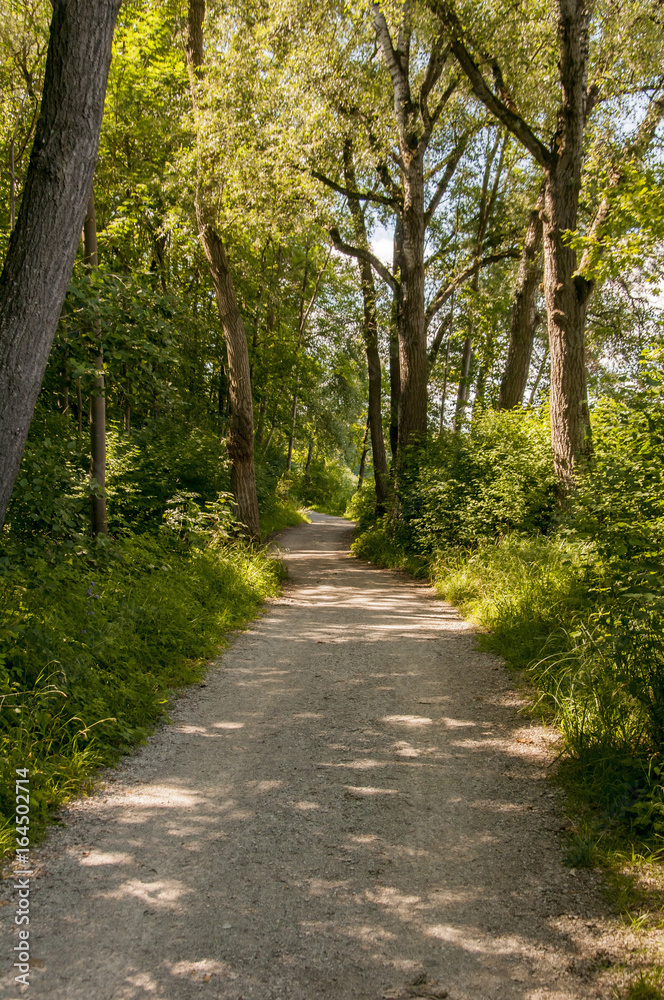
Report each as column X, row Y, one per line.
column 647, row 985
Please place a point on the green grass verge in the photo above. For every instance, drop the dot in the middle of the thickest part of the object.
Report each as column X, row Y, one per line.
column 93, row 641
column 282, row 514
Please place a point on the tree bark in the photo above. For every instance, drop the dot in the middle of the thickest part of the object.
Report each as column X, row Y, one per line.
column 363, row 456
column 487, row 201
column 524, row 317
column 370, row 331
column 43, row 244
column 310, row 455
column 240, row 442
column 441, row 417
column 415, row 123
column 395, row 369
column 464, row 383
column 291, row 436
column 565, row 291
column 99, row 523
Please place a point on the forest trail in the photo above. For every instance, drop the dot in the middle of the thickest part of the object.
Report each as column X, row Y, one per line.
column 350, row 808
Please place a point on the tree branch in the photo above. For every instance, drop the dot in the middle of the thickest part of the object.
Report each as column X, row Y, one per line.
column 444, row 181
column 359, row 253
column 432, row 353
column 395, row 63
column 379, row 199
column 444, row 294
column 510, row 119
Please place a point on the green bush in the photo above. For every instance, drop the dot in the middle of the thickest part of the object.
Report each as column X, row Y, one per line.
column 362, row 506
column 457, row 489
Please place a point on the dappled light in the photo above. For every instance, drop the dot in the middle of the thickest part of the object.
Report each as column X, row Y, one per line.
column 302, row 820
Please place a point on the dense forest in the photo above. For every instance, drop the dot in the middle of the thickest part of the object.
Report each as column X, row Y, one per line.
column 398, row 260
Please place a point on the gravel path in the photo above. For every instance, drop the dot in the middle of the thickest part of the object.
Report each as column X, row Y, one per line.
column 350, row 807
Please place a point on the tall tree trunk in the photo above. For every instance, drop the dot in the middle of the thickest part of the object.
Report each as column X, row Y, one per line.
column 441, row 419
column 291, row 436
column 412, row 329
column 43, row 244
column 524, row 317
column 241, row 424
column 240, row 443
column 79, row 405
column 370, row 331
column 538, row 377
column 566, row 295
column 415, row 123
column 566, row 291
column 363, row 456
column 487, row 201
column 395, row 368
column 98, row 399
column 464, row 382
column 260, row 426
column 310, row 455
column 486, row 365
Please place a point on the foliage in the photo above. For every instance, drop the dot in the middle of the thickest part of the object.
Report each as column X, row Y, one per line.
column 457, row 489
column 326, row 486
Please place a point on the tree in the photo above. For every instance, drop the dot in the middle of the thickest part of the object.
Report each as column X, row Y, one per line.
column 241, row 424
column 524, row 316
column 43, row 245
column 561, row 159
column 97, row 400
column 370, row 331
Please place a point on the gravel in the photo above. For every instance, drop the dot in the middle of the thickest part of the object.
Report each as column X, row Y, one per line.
column 352, row 806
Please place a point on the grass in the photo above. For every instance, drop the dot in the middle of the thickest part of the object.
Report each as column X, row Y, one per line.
column 646, row 985
column 92, row 642
column 283, row 513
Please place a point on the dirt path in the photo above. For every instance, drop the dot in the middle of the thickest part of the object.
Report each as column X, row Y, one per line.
column 350, row 808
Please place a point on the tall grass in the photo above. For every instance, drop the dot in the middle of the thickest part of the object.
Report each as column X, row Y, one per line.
column 93, row 639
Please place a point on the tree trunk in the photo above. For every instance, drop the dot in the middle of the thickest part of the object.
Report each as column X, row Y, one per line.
column 260, row 427
column 524, row 318
column 482, row 375
column 99, row 523
column 464, row 383
column 412, row 329
column 291, row 436
column 310, row 455
column 79, row 405
column 441, row 420
column 363, row 456
column 538, row 377
column 240, row 443
column 566, row 298
column 43, row 244
column 566, row 291
column 370, row 331
column 395, row 390
column 395, row 370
